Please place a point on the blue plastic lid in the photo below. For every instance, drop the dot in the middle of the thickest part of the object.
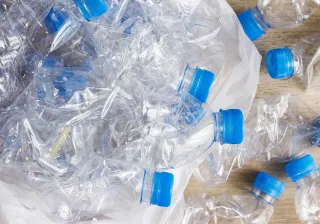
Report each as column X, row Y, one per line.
column 280, row 63
column 201, row 84
column 301, row 168
column 55, row 20
column 268, row 185
column 91, row 9
column 250, row 25
column 233, row 126
column 162, row 189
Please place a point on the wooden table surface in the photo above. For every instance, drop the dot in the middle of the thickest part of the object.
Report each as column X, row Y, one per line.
column 241, row 180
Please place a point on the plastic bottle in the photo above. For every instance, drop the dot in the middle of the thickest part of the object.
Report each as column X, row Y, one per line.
column 107, row 12
column 197, row 82
column 102, row 187
column 181, row 137
column 302, row 61
column 305, row 173
column 255, row 207
column 274, row 132
column 278, row 14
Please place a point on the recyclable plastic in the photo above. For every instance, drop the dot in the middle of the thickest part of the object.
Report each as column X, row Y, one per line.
column 47, row 137
column 185, row 133
column 302, row 61
column 305, row 173
column 103, row 12
column 281, row 14
column 22, row 37
column 102, row 187
column 254, row 207
column 274, row 132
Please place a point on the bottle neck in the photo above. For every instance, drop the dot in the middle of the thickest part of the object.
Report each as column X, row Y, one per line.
column 308, row 179
column 218, row 127
column 186, row 80
column 259, row 194
column 259, row 18
column 147, row 186
column 297, row 62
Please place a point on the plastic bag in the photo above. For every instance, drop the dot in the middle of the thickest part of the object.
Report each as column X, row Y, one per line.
column 234, row 73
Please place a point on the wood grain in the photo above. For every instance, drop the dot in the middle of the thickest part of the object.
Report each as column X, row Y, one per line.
column 240, row 181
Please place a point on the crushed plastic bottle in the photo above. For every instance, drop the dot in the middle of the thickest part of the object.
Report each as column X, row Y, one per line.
column 302, row 61
column 274, row 132
column 102, row 187
column 278, row 14
column 181, row 137
column 305, row 173
column 255, row 207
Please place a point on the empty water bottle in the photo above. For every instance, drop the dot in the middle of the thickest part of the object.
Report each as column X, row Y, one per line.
column 278, row 14
column 106, row 187
column 180, row 137
column 108, row 12
column 302, row 61
column 197, row 82
column 274, row 132
column 305, row 173
column 255, row 207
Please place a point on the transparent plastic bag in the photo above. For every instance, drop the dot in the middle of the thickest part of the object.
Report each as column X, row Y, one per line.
column 124, row 94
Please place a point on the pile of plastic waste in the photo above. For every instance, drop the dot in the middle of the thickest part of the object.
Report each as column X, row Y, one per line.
column 107, row 107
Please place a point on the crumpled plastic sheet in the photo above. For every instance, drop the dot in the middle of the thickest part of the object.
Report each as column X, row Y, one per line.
column 46, row 123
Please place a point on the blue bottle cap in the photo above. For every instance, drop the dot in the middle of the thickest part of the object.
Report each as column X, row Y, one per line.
column 251, row 25
column 162, row 189
column 268, row 185
column 233, row 126
column 55, row 20
column 301, row 168
column 280, row 63
column 201, row 84
column 91, row 9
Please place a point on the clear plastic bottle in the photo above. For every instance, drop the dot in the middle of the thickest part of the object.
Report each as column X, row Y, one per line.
column 305, row 173
column 274, row 132
column 102, row 187
column 107, row 12
column 278, row 14
column 181, row 137
column 302, row 61
column 255, row 207
column 197, row 82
